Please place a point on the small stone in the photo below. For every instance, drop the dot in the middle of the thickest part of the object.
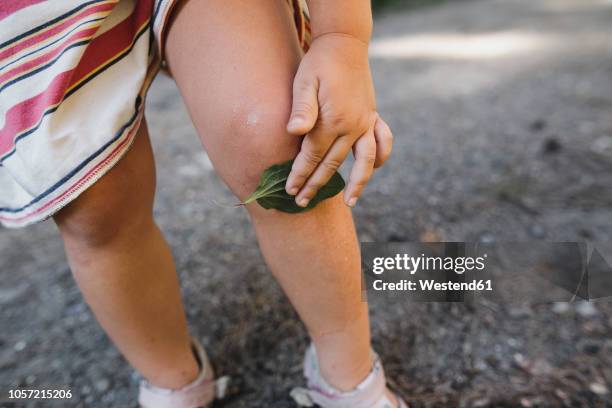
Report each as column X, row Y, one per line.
column 586, row 309
column 486, row 238
column 560, row 307
column 551, row 145
column 540, row 367
column 598, row 388
column 520, row 360
column 538, row 125
column 86, row 390
column 512, row 342
column 561, row 394
column 480, row 365
column 492, row 361
column 532, row 402
column 537, row 231
column 602, row 144
column 458, row 382
column 189, row 170
column 102, row 385
column 590, row 348
column 467, row 348
column 10, row 294
column 30, row 379
column 20, row 345
column 365, row 237
column 301, row 397
column 482, row 402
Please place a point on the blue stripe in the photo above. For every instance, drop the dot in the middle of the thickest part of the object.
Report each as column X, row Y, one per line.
column 52, row 43
column 49, row 23
column 152, row 48
column 83, row 164
column 43, row 67
column 159, row 2
column 71, row 92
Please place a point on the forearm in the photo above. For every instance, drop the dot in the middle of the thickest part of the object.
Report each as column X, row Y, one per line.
column 348, row 17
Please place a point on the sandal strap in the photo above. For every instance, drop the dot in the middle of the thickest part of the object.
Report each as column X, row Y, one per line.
column 369, row 394
column 303, row 398
column 200, row 393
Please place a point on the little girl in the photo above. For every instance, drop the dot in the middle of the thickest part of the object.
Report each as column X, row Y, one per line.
column 74, row 146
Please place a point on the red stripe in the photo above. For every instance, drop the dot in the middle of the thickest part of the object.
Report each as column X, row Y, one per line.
column 10, row 7
column 107, row 45
column 27, row 113
column 11, row 50
column 41, row 60
column 102, row 49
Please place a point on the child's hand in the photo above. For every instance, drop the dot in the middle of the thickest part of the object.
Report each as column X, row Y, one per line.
column 335, row 107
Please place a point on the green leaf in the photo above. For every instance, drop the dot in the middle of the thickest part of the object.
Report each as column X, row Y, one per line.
column 271, row 194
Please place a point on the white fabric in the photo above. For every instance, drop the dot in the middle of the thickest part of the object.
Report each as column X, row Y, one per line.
column 370, row 393
column 201, row 392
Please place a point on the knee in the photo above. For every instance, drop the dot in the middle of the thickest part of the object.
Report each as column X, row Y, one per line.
column 118, row 205
column 263, row 141
column 96, row 223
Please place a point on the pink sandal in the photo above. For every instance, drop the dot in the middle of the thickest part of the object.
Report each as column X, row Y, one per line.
column 369, row 394
column 200, row 393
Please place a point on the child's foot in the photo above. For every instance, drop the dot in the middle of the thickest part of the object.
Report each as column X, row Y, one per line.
column 200, row 393
column 371, row 393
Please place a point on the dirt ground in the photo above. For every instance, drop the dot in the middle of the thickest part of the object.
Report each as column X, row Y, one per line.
column 502, row 112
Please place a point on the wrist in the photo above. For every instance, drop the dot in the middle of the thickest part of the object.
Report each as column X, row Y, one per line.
column 351, row 18
column 364, row 39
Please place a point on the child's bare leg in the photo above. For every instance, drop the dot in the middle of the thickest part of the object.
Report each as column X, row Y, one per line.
column 125, row 269
column 234, row 62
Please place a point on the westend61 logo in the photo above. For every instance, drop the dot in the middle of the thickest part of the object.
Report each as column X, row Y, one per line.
column 439, row 273
column 511, row 272
column 412, row 264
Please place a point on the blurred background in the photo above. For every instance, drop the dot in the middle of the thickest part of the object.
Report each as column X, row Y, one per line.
column 502, row 114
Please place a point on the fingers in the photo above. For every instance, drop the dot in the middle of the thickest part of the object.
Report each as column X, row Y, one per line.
column 365, row 157
column 313, row 150
column 326, row 169
column 322, row 154
column 384, row 141
column 304, row 115
column 305, row 106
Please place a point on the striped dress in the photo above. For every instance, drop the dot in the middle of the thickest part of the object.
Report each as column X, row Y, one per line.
column 73, row 79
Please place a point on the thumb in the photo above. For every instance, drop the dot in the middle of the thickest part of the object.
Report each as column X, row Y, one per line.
column 305, row 107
